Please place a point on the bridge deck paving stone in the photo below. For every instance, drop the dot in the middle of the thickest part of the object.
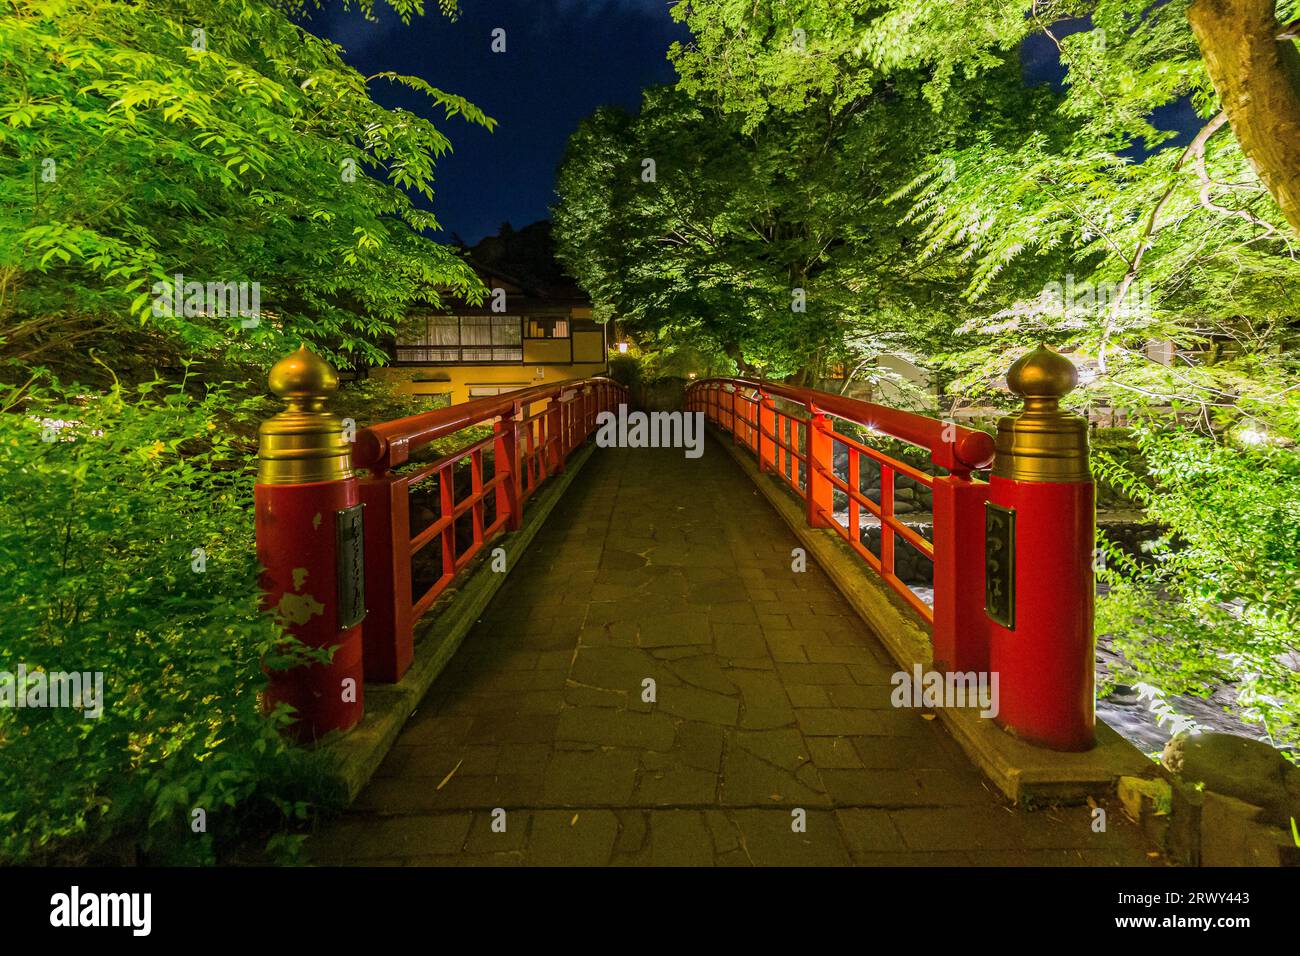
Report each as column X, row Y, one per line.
column 771, row 695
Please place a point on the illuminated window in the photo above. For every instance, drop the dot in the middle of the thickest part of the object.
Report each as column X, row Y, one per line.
column 428, row 337
column 547, row 327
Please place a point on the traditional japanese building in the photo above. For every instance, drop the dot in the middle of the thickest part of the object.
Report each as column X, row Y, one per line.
column 528, row 331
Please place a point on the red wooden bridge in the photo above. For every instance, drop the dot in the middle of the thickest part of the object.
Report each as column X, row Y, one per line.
column 718, row 645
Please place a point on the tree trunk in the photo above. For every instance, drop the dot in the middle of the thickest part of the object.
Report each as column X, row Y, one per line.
column 733, row 352
column 1257, row 77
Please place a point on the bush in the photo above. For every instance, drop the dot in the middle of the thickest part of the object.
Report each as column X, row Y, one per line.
column 626, row 370
column 371, row 401
column 1118, row 446
column 127, row 548
column 1220, row 602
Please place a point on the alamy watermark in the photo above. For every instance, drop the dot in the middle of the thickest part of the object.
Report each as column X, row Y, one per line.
column 178, row 297
column 1098, row 297
column 37, row 688
column 933, row 689
column 651, row 430
column 74, row 908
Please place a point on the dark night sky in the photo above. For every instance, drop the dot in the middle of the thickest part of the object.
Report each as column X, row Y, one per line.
column 563, row 59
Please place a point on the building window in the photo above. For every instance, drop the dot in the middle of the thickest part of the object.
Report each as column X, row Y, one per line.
column 547, row 327
column 486, row 391
column 428, row 337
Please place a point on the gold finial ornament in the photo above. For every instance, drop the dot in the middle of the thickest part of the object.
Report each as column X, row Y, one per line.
column 303, row 375
column 1041, row 442
column 304, row 443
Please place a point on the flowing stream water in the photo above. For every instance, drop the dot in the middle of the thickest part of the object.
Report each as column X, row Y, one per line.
column 1129, row 714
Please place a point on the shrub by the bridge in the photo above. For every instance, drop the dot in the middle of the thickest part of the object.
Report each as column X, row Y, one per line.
column 126, row 548
column 1219, row 603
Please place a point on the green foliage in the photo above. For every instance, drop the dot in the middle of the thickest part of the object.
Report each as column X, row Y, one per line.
column 104, row 499
column 221, row 140
column 626, row 370
column 369, row 401
column 683, row 361
column 1220, row 604
column 217, row 139
column 771, row 244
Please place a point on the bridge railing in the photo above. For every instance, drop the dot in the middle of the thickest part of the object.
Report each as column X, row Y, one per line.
column 337, row 550
column 798, row 444
column 1013, row 557
column 533, row 432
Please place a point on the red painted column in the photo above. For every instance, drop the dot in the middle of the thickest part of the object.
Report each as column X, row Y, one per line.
column 1044, row 654
column 821, row 459
column 555, row 434
column 745, row 415
column 505, row 460
column 961, row 628
column 766, row 433
column 388, row 639
column 304, row 481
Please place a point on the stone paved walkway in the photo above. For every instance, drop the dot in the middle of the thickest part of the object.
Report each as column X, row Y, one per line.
column 770, row 695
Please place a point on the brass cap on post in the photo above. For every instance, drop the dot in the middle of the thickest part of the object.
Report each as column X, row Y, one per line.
column 1041, row 442
column 304, row 443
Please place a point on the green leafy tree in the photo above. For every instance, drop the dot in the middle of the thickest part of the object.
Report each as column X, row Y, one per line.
column 220, row 140
column 772, row 244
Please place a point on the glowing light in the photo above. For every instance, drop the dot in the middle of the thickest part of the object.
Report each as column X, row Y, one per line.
column 52, row 429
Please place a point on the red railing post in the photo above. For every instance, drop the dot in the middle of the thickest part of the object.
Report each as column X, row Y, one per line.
column 961, row 633
column 307, row 513
column 1041, row 533
column 886, row 512
column 505, row 458
column 766, row 433
column 820, row 461
column 576, row 436
column 388, row 635
column 568, row 439
column 523, row 461
column 753, row 405
column 555, row 435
